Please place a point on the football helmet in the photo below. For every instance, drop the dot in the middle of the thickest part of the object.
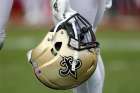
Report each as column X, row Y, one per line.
column 66, row 58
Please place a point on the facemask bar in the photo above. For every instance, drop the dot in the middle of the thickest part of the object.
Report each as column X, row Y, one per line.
column 86, row 37
column 83, row 37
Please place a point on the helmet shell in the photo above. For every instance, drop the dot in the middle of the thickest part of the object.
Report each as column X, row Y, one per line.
column 58, row 66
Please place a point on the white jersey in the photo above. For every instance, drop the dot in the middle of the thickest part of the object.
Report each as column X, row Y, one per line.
column 87, row 8
column 92, row 10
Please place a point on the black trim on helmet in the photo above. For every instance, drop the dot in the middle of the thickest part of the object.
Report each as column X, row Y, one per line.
column 86, row 28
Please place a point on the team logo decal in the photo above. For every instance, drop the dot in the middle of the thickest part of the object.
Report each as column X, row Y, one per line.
column 70, row 67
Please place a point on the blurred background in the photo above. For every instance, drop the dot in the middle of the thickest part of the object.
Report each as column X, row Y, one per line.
column 119, row 35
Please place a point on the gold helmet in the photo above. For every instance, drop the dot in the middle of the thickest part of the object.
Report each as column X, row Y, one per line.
column 65, row 58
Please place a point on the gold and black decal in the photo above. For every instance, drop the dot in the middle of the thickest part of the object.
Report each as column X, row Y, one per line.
column 67, row 67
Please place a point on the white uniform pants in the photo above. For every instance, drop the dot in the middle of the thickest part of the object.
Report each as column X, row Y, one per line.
column 95, row 83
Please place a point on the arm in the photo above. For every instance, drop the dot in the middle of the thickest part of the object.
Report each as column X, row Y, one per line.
column 61, row 9
column 58, row 9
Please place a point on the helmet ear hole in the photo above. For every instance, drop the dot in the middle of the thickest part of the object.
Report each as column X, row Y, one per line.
column 58, row 45
column 56, row 48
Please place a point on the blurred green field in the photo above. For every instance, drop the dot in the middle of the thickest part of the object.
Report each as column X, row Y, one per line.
column 120, row 51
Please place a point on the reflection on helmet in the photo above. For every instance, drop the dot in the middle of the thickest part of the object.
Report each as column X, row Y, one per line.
column 67, row 56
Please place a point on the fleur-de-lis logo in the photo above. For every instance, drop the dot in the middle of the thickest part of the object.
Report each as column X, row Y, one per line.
column 70, row 67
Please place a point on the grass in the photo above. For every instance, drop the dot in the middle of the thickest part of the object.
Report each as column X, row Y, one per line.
column 120, row 52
